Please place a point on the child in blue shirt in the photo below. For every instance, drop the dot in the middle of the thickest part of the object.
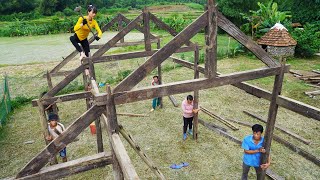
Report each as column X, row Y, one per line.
column 252, row 145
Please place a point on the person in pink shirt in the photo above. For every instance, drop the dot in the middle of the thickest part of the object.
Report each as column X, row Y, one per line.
column 188, row 113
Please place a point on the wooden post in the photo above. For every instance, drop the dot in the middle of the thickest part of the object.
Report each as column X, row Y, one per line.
column 146, row 24
column 211, row 41
column 44, row 125
column 273, row 109
column 120, row 26
column 97, row 121
column 50, row 86
column 196, row 92
column 113, row 126
column 159, row 74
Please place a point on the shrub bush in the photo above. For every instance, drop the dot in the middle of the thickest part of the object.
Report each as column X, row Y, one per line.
column 308, row 39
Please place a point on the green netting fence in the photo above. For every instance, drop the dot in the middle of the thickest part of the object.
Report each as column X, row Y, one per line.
column 5, row 102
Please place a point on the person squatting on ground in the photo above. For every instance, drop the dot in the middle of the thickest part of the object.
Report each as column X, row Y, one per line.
column 155, row 101
column 82, row 31
column 188, row 113
column 55, row 129
column 252, row 145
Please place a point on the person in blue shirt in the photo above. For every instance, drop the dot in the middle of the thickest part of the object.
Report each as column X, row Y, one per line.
column 252, row 145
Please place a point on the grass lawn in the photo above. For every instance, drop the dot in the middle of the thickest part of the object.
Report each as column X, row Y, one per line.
column 160, row 134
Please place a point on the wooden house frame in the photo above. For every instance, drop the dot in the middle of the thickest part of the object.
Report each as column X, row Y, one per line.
column 104, row 107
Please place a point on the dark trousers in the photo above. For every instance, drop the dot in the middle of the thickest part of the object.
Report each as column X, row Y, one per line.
column 245, row 171
column 84, row 43
column 186, row 122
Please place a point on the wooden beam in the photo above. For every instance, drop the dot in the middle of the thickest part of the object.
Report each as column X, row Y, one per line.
column 132, row 55
column 61, row 141
column 72, row 167
column 50, row 86
column 287, row 144
column 140, row 152
column 211, row 41
column 238, row 35
column 60, row 73
column 207, row 124
column 137, row 27
column 156, row 59
column 221, row 119
column 285, row 102
column 123, row 158
column 62, row 98
column 196, row 93
column 166, row 27
column 120, row 27
column 160, row 77
column 132, row 115
column 146, row 27
column 236, row 140
column 64, row 82
column 124, row 44
column 220, row 132
column 282, row 129
column 273, row 110
column 173, row 100
column 116, row 38
column 191, row 85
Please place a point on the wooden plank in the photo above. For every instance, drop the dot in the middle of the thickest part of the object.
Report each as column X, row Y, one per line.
column 236, row 140
column 41, row 159
column 213, row 125
column 146, row 27
column 123, row 158
column 132, row 115
column 141, row 153
column 191, row 85
column 64, row 82
column 282, row 129
column 137, row 27
column 221, row 119
column 117, row 37
column 285, row 102
column 211, row 41
column 166, row 27
column 173, row 100
column 316, row 71
column 238, row 35
column 62, row 98
column 72, row 167
column 132, row 55
column 273, row 110
column 160, row 77
column 111, row 123
column 187, row 64
column 156, row 59
column 287, row 144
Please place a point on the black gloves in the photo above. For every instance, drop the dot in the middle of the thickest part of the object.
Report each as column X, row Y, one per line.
column 84, row 22
column 97, row 38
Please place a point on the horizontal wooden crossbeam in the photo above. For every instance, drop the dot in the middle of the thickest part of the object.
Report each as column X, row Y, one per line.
column 124, row 44
column 62, row 98
column 191, row 85
column 59, row 171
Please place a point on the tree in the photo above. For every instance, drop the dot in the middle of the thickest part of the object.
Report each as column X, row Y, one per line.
column 8, row 7
column 264, row 18
column 304, row 11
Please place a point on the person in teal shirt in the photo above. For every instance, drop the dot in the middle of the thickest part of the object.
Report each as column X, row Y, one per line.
column 252, row 145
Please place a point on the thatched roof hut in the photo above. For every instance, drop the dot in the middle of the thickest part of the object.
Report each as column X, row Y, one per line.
column 277, row 41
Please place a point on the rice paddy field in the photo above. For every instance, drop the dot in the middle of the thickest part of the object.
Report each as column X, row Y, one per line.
column 160, row 133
